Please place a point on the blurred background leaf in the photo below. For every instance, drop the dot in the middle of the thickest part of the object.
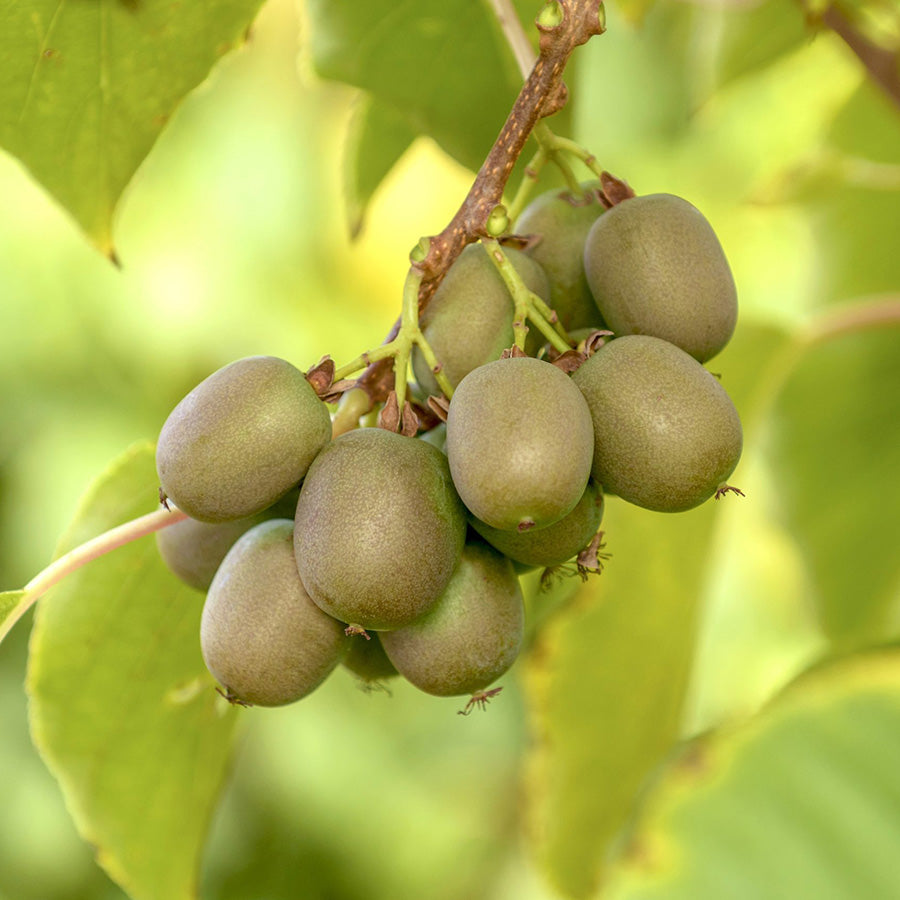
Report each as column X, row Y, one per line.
column 608, row 680
column 376, row 139
column 141, row 767
column 841, row 500
column 87, row 88
column 800, row 801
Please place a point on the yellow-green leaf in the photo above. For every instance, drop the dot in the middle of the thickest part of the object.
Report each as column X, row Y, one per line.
column 88, row 85
column 834, row 444
column 607, row 682
column 800, row 801
column 122, row 709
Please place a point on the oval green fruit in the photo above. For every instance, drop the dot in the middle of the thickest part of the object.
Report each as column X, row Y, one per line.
column 666, row 434
column 262, row 637
column 468, row 321
column 561, row 220
column 367, row 660
column 471, row 636
column 519, row 443
column 379, row 528
column 556, row 543
column 656, row 267
column 194, row 550
column 241, row 439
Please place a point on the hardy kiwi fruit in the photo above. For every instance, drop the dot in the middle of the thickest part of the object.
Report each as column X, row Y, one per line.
column 194, row 550
column 469, row 319
column 666, row 434
column 519, row 443
column 471, row 636
column 560, row 222
column 241, row 439
column 379, row 528
column 556, row 543
column 655, row 266
column 367, row 660
column 262, row 637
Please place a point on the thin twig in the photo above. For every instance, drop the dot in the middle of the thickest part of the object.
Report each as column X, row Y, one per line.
column 883, row 65
column 85, row 553
column 515, row 35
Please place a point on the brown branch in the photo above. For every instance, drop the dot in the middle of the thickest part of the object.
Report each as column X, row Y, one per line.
column 542, row 95
column 883, row 65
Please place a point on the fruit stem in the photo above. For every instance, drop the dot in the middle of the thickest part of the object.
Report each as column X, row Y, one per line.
column 84, row 553
column 528, row 304
column 529, row 180
column 556, row 149
column 354, row 404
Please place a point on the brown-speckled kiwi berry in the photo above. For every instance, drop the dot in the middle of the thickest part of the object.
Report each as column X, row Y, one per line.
column 468, row 321
column 240, row 439
column 559, row 221
column 556, row 543
column 471, row 636
column 655, row 266
column 194, row 550
column 519, row 442
column 262, row 637
column 379, row 528
column 666, row 434
column 367, row 660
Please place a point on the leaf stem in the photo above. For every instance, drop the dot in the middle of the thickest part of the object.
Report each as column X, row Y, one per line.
column 85, row 553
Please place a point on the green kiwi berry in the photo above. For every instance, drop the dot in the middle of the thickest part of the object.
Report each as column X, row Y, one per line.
column 471, row 636
column 656, row 267
column 367, row 660
column 262, row 637
column 666, row 434
column 468, row 321
column 556, row 543
column 194, row 550
column 379, row 528
column 559, row 222
column 241, row 439
column 519, row 443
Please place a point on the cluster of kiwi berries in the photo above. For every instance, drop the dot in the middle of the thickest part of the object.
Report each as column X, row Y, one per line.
column 402, row 554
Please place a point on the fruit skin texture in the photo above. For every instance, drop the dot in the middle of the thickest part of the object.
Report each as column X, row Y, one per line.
column 655, row 266
column 241, row 439
column 193, row 550
column 367, row 660
column 562, row 220
column 666, row 433
column 471, row 636
column 519, row 442
column 379, row 528
column 556, row 543
column 262, row 637
column 468, row 321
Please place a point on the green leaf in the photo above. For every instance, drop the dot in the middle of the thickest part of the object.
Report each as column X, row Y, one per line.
column 607, row 682
column 88, row 86
column 378, row 138
column 9, row 601
column 756, row 35
column 834, row 447
column 122, row 709
column 635, row 11
column 442, row 64
column 801, row 801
